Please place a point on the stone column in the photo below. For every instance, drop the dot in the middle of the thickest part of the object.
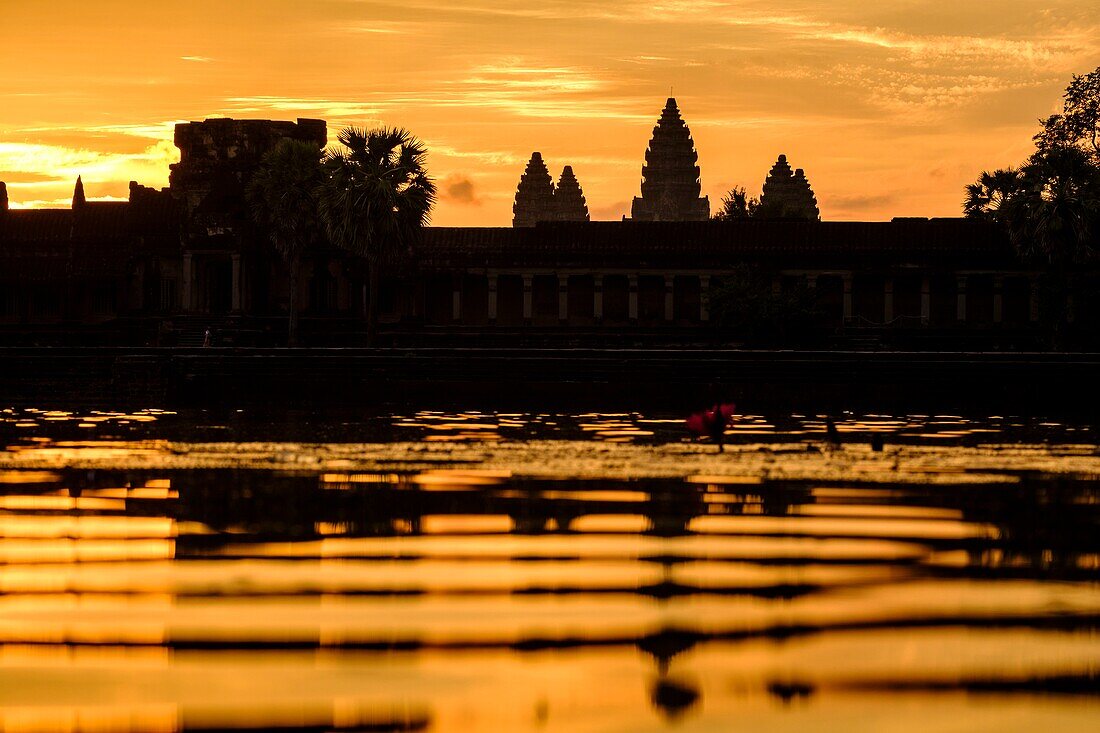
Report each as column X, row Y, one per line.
column 493, row 299
column 704, row 293
column 236, row 282
column 960, row 288
column 563, row 299
column 1033, row 299
column 847, row 278
column 925, row 301
column 597, row 298
column 888, row 300
column 632, row 307
column 188, row 300
column 137, row 288
column 670, row 300
column 419, row 304
column 998, row 298
column 456, row 298
column 527, row 310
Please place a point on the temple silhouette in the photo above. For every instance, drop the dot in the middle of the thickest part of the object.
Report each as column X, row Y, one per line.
column 787, row 194
column 670, row 176
column 167, row 265
column 538, row 199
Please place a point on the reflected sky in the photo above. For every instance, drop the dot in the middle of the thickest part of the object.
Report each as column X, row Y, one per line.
column 373, row 579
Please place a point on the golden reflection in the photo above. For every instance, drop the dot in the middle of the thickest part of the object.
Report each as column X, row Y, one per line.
column 860, row 511
column 594, row 523
column 147, row 492
column 336, row 479
column 468, row 524
column 460, row 478
column 829, row 526
column 716, row 480
column 57, row 503
column 412, row 584
column 120, row 492
column 29, row 477
column 91, row 719
column 595, row 495
column 85, row 527
column 48, row 551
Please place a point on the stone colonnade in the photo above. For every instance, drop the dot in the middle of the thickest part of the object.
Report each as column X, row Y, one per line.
column 683, row 296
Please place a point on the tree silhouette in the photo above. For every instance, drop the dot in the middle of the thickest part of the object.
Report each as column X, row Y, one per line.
column 374, row 200
column 736, row 204
column 282, row 197
column 1050, row 205
column 1079, row 124
column 989, row 197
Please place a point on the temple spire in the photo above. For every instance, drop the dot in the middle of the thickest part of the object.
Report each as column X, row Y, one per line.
column 534, row 195
column 78, row 194
column 804, row 195
column 569, row 198
column 670, row 176
column 3, row 196
column 787, row 194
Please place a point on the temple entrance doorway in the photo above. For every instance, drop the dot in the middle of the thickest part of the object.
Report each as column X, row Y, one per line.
column 218, row 286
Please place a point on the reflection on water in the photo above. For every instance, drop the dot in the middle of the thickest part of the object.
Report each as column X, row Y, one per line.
column 485, row 571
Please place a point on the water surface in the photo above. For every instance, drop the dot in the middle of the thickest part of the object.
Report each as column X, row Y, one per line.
column 481, row 571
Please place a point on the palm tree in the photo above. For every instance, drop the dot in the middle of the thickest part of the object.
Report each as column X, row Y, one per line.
column 1050, row 210
column 282, row 196
column 375, row 198
column 989, row 196
column 1058, row 214
column 1048, row 207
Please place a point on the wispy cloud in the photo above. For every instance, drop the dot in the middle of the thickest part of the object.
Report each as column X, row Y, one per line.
column 330, row 108
column 380, row 27
column 62, row 165
column 860, row 91
column 489, row 157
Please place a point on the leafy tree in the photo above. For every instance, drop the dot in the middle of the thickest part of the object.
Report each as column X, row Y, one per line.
column 736, row 204
column 1079, row 124
column 746, row 305
column 282, row 197
column 1050, row 205
column 375, row 198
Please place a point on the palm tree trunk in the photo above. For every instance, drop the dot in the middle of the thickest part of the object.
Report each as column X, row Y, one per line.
column 372, row 302
column 292, row 322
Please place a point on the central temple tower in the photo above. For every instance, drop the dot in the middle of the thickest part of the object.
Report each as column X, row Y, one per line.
column 670, row 176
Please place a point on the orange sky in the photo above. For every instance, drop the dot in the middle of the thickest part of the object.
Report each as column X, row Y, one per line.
column 891, row 106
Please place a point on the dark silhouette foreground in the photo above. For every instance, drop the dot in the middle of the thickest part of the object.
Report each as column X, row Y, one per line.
column 712, row 423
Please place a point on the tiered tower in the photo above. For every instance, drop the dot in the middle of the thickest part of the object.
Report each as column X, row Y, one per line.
column 569, row 198
column 670, row 176
column 535, row 195
column 787, row 194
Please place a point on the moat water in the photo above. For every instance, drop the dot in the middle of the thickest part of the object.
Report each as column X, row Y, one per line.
column 480, row 571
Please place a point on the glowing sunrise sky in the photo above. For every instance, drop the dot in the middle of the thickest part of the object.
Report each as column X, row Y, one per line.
column 891, row 106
